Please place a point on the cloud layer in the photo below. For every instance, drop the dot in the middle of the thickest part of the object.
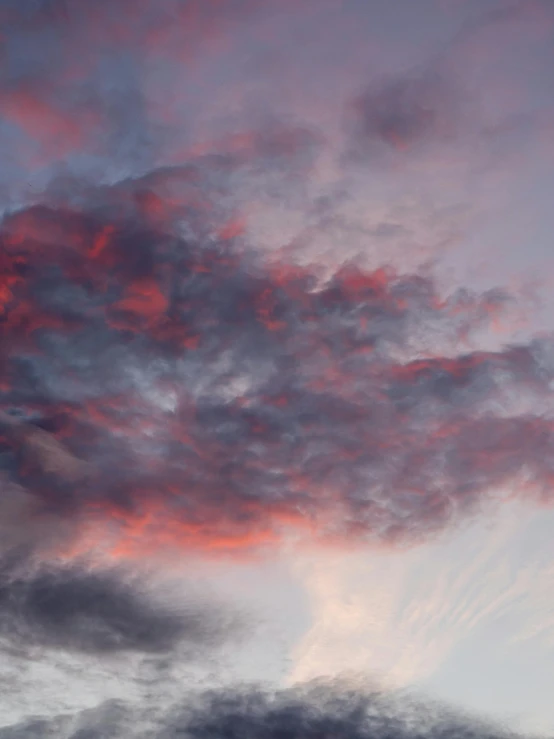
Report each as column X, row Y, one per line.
column 176, row 375
column 213, row 397
column 308, row 712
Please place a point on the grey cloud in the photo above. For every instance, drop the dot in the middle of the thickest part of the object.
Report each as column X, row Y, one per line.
column 304, row 712
column 406, row 113
column 97, row 611
column 111, row 719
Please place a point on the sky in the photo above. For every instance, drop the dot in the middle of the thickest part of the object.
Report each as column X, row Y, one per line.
column 276, row 363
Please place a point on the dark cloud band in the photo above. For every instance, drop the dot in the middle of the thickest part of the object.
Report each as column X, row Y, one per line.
column 78, row 608
column 306, row 712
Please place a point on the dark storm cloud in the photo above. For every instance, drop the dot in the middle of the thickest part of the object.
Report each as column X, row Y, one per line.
column 77, row 608
column 214, row 397
column 306, row 712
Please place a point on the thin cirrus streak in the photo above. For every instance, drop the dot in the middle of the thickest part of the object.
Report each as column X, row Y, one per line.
column 416, row 607
column 217, row 400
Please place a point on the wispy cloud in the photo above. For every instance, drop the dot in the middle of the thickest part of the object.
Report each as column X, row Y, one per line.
column 408, row 616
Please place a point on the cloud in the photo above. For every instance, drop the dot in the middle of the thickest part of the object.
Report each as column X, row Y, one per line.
column 109, row 719
column 35, row 729
column 453, row 111
column 98, row 611
column 214, row 398
column 179, row 391
column 406, row 112
column 316, row 711
column 304, row 712
column 82, row 86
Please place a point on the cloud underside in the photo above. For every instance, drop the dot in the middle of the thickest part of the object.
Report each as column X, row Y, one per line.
column 82, row 609
column 63, row 609
column 178, row 389
column 306, row 712
column 167, row 383
column 197, row 395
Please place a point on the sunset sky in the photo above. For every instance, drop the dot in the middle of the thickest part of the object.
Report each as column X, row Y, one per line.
column 276, row 369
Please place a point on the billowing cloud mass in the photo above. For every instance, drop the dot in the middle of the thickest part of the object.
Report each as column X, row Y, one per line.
column 214, row 398
column 310, row 712
column 314, row 711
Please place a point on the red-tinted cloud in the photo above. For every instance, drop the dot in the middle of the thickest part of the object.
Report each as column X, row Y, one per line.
column 110, row 79
column 201, row 396
column 217, row 399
